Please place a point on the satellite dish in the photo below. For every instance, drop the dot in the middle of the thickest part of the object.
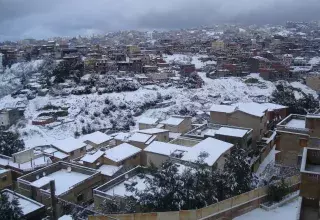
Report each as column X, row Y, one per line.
column 44, row 173
column 37, row 177
column 69, row 169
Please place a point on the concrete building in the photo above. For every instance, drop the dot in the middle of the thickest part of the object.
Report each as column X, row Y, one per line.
column 310, row 187
column 231, row 134
column 313, row 81
column 73, row 147
column 217, row 150
column 73, row 183
column 146, row 123
column 116, row 189
column 294, row 133
column 161, row 134
column 96, row 140
column 8, row 117
column 248, row 115
column 31, row 210
column 141, row 140
column 178, row 124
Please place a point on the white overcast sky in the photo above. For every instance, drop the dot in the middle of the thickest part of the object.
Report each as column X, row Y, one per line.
column 45, row 18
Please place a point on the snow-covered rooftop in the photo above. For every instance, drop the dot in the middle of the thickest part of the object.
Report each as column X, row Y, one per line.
column 152, row 131
column 234, row 132
column 91, row 158
column 27, row 205
column 215, row 149
column 296, row 123
column 96, row 137
column 173, row 121
column 121, row 152
column 68, row 145
column 222, row 108
column 139, row 137
column 272, row 106
column 120, row 189
column 252, row 108
column 164, row 148
column 148, row 121
column 64, row 180
column 109, row 170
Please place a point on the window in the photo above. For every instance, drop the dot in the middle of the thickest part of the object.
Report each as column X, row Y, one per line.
column 81, row 149
column 261, row 131
column 303, row 142
column 80, row 197
column 261, row 119
column 4, row 178
column 72, row 153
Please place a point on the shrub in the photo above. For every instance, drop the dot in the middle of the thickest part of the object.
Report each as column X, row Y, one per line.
column 251, row 80
column 96, row 114
column 277, row 191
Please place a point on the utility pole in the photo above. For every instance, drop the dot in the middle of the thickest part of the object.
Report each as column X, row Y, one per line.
column 53, row 200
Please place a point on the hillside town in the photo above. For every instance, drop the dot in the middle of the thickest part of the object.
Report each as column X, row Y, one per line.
column 219, row 122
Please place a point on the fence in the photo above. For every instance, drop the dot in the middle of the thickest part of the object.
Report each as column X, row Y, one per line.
column 226, row 209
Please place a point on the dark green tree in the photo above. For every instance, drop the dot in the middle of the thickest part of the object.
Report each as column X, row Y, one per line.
column 10, row 143
column 10, row 208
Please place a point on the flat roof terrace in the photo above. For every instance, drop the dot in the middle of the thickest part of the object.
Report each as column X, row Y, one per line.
column 293, row 123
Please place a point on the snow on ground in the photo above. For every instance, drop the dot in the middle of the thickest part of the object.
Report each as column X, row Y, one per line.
column 304, row 88
column 288, row 211
column 194, row 59
column 82, row 107
column 268, row 160
column 314, row 61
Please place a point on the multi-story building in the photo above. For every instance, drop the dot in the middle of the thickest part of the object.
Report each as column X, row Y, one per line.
column 72, row 183
column 248, row 115
column 310, row 184
column 9, row 117
column 294, row 133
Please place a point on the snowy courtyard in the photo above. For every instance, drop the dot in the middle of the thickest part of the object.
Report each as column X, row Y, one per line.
column 286, row 212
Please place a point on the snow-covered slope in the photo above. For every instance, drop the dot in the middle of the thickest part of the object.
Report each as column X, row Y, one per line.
column 10, row 78
column 85, row 111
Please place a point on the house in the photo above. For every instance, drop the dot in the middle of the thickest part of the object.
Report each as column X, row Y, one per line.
column 161, row 134
column 313, row 81
column 145, row 123
column 8, row 117
column 309, row 187
column 115, row 189
column 96, row 139
column 25, row 161
column 231, row 134
column 187, row 69
column 275, row 113
column 71, row 146
column 178, row 124
column 249, row 115
column 72, row 183
column 31, row 210
column 141, row 140
column 123, row 155
column 5, row 178
column 294, row 133
column 158, row 152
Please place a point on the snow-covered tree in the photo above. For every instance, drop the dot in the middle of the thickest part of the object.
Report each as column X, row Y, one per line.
column 238, row 172
column 285, row 95
column 10, row 143
column 10, row 209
